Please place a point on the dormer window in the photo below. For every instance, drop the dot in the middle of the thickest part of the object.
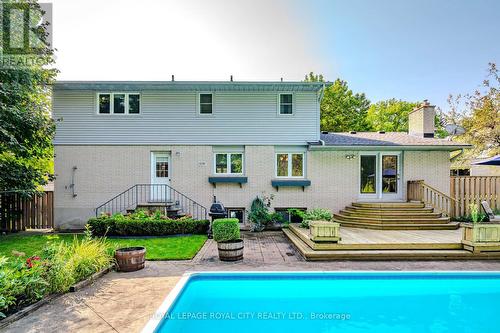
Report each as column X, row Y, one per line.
column 285, row 104
column 206, row 104
column 119, row 103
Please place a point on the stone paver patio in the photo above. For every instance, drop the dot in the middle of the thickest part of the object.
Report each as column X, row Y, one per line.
column 124, row 302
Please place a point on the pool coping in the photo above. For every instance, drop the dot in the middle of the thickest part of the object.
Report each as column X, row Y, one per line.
column 159, row 314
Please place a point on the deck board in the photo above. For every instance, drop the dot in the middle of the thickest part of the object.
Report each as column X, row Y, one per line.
column 369, row 239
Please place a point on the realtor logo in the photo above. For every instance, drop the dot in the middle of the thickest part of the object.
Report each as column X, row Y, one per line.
column 26, row 28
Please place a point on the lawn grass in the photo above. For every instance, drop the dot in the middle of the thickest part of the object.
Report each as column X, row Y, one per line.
column 165, row 248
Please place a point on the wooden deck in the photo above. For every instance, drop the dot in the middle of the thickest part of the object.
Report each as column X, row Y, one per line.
column 369, row 239
column 367, row 244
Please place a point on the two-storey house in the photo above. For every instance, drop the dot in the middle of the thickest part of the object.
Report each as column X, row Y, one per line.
column 121, row 143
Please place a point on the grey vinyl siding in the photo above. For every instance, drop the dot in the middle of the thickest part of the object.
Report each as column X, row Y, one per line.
column 171, row 117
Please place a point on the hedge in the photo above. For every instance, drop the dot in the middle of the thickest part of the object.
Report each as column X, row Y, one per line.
column 110, row 226
column 226, row 230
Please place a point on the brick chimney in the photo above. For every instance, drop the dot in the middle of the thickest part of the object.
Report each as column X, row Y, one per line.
column 421, row 120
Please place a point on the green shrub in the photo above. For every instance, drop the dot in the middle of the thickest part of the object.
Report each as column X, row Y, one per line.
column 226, row 230
column 316, row 214
column 21, row 283
column 135, row 226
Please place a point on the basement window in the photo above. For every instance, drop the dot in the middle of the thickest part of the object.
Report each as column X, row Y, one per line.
column 288, row 216
column 119, row 103
column 236, row 213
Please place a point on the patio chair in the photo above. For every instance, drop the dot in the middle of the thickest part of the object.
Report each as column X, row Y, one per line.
column 487, row 209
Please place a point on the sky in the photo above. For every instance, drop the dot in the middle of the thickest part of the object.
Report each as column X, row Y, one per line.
column 409, row 50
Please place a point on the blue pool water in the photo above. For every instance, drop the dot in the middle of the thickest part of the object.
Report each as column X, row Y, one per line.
column 336, row 302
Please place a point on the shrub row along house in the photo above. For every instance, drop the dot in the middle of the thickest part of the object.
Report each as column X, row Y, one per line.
column 120, row 145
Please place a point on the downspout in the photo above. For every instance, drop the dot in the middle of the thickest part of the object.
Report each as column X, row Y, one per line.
column 321, row 93
column 457, row 155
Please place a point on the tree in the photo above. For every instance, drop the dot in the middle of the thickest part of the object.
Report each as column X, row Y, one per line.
column 341, row 109
column 390, row 115
column 479, row 114
column 26, row 127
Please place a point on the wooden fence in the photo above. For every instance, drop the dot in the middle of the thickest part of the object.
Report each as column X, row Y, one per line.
column 19, row 213
column 474, row 189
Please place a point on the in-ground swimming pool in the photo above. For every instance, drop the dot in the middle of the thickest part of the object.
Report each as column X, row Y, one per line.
column 331, row 302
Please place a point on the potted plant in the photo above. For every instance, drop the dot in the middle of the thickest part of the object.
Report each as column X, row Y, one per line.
column 477, row 232
column 226, row 233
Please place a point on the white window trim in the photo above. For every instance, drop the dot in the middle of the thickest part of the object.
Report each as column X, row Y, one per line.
column 279, row 105
column 111, row 103
column 198, row 104
column 228, row 163
column 289, row 176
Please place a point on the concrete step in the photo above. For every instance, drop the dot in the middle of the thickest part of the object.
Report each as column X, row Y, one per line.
column 391, row 215
column 400, row 226
column 390, row 205
column 390, row 220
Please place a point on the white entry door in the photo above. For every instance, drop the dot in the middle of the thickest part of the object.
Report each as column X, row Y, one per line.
column 160, row 176
column 380, row 176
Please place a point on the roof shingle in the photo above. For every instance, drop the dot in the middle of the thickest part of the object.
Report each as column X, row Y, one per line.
column 383, row 139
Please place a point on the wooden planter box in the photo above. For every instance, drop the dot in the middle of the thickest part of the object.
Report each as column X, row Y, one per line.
column 481, row 237
column 481, row 232
column 324, row 231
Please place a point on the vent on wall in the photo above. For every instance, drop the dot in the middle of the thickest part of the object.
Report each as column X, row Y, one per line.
column 381, row 132
column 352, row 132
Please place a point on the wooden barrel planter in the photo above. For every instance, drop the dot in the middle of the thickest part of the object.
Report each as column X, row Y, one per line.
column 130, row 259
column 230, row 250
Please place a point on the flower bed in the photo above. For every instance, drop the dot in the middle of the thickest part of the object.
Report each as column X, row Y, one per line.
column 23, row 282
column 144, row 224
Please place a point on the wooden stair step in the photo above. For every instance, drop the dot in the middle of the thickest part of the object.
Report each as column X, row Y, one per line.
column 388, row 204
column 388, row 210
column 401, row 214
column 390, row 220
column 400, row 226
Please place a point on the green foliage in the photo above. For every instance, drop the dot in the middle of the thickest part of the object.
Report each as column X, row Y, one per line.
column 474, row 212
column 26, row 127
column 259, row 214
column 135, row 225
column 316, row 214
column 342, row 110
column 390, row 115
column 225, row 230
column 479, row 113
column 20, row 284
column 60, row 266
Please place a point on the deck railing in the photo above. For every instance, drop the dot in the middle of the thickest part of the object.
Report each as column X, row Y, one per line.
column 152, row 193
column 417, row 190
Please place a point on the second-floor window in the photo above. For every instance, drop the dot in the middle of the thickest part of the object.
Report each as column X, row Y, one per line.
column 290, row 165
column 206, row 103
column 286, row 104
column 119, row 103
column 229, row 163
